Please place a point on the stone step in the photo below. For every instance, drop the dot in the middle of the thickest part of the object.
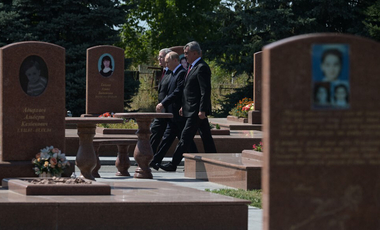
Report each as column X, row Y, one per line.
column 231, row 169
column 106, row 160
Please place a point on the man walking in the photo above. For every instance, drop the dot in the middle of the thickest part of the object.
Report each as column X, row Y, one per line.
column 172, row 103
column 196, row 105
column 159, row 124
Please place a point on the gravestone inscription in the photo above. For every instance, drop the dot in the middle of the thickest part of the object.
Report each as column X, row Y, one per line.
column 321, row 146
column 32, row 95
column 105, row 80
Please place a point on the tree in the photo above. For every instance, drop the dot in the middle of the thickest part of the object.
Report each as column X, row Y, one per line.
column 236, row 40
column 372, row 20
column 245, row 26
column 73, row 24
column 168, row 23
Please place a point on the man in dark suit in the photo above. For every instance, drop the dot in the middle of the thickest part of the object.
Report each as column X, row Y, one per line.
column 171, row 104
column 196, row 105
column 158, row 125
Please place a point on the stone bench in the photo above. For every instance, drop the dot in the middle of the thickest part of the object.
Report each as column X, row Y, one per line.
column 122, row 162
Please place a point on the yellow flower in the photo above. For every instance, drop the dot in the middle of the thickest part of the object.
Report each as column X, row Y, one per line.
column 46, row 164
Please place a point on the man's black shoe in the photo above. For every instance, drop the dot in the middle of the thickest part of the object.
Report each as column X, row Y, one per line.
column 154, row 165
column 169, row 167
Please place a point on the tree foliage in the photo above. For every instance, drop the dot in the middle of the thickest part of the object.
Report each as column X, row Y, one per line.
column 372, row 20
column 231, row 31
column 236, row 40
column 167, row 23
column 246, row 26
column 73, row 24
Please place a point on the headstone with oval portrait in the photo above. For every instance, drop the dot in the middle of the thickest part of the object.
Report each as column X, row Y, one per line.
column 321, row 126
column 105, row 80
column 32, row 93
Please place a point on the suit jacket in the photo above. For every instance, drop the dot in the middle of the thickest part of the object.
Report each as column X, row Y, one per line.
column 197, row 90
column 163, row 86
column 173, row 99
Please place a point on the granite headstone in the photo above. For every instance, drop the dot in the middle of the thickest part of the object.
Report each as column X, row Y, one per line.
column 105, row 80
column 32, row 95
column 177, row 49
column 257, row 73
column 254, row 116
column 321, row 146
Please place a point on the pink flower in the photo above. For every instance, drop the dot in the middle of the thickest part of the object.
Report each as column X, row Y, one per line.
column 254, row 146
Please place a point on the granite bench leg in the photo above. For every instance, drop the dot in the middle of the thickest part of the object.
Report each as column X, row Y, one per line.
column 95, row 171
column 122, row 162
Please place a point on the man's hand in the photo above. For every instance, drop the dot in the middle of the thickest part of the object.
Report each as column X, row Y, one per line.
column 159, row 108
column 202, row 115
column 180, row 112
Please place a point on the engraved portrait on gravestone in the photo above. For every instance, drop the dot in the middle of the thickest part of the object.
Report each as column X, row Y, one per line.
column 341, row 94
column 106, row 65
column 33, row 75
column 322, row 94
column 330, row 76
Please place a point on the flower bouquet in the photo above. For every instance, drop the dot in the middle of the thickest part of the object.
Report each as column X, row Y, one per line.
column 242, row 108
column 106, row 114
column 51, row 161
column 258, row 147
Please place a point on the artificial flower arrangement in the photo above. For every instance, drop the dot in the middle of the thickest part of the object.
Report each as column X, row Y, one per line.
column 249, row 107
column 50, row 160
column 242, row 108
column 106, row 114
column 128, row 123
column 258, row 147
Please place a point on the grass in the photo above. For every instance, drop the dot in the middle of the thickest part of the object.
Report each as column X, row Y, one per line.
column 252, row 195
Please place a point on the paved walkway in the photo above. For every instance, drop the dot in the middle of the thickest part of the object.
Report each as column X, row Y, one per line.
column 107, row 172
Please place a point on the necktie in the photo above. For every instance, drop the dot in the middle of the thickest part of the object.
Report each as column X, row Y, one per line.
column 188, row 71
column 163, row 74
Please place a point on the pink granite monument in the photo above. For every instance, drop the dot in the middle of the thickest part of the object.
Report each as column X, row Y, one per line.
column 321, row 133
column 105, row 80
column 177, row 49
column 32, row 112
column 254, row 116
